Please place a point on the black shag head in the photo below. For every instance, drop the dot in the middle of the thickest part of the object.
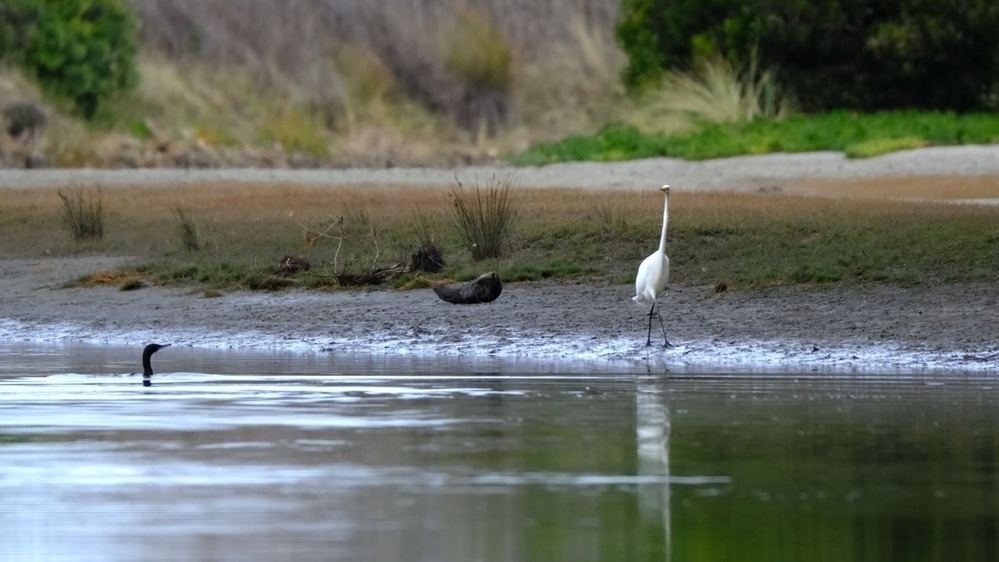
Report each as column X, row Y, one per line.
column 147, row 367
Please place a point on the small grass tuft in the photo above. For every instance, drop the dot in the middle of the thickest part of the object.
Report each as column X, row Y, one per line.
column 879, row 146
column 190, row 234
column 484, row 216
column 296, row 131
column 127, row 280
column 83, row 214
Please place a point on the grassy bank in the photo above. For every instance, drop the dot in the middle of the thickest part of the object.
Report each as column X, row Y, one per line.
column 857, row 135
column 741, row 239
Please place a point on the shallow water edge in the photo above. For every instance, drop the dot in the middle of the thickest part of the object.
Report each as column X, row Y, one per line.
column 527, row 354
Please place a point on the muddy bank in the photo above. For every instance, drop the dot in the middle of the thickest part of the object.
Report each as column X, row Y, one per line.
column 868, row 330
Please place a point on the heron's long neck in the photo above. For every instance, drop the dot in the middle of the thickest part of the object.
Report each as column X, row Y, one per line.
column 662, row 238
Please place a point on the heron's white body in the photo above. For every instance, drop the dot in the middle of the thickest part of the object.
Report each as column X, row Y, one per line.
column 653, row 273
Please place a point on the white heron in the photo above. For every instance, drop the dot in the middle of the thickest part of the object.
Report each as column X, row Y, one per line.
column 653, row 275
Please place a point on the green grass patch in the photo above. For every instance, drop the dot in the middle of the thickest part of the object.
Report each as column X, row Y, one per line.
column 877, row 147
column 296, row 131
column 859, row 135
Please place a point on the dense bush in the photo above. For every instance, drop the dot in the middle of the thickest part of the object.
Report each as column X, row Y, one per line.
column 862, row 54
column 83, row 50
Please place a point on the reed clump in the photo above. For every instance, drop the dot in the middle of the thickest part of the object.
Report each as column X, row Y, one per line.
column 484, row 216
column 83, row 214
column 191, row 235
column 718, row 92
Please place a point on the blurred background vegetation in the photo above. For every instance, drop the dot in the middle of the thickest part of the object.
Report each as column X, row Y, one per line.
column 350, row 82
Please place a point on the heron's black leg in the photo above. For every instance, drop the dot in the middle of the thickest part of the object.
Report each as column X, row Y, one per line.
column 648, row 340
column 663, row 326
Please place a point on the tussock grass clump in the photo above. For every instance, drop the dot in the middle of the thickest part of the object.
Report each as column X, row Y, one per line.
column 428, row 257
column 484, row 216
column 83, row 214
column 717, row 92
column 191, row 235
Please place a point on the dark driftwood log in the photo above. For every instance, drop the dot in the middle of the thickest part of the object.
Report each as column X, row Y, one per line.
column 484, row 289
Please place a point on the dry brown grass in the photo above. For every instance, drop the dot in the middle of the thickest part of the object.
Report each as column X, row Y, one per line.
column 303, row 82
column 233, row 203
column 104, row 278
column 300, row 82
column 714, row 237
column 931, row 188
column 715, row 91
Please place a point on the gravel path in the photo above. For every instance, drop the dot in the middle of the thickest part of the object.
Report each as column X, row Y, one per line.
column 744, row 172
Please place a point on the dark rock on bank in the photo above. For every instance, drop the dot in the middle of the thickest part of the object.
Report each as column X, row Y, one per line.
column 486, row 288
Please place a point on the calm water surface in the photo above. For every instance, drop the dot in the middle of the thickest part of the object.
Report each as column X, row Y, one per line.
column 235, row 456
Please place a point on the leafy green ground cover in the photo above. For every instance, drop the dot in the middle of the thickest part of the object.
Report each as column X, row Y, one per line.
column 858, row 135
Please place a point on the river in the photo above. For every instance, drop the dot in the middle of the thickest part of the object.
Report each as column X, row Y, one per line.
column 285, row 456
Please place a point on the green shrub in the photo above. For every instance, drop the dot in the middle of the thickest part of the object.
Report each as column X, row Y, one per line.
column 831, row 53
column 83, row 50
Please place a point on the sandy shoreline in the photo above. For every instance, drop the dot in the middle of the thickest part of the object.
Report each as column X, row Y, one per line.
column 882, row 329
